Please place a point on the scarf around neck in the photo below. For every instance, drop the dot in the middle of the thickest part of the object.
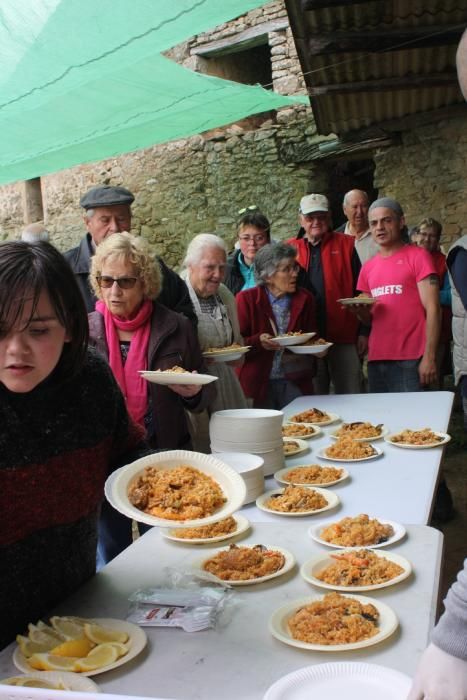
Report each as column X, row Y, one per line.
column 133, row 386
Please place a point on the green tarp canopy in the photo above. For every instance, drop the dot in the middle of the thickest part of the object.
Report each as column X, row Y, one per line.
column 84, row 80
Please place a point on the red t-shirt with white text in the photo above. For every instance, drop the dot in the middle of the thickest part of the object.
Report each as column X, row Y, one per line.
column 398, row 317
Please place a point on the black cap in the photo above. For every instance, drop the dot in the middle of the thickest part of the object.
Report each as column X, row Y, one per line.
column 106, row 196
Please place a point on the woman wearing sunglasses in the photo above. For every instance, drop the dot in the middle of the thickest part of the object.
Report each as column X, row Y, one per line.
column 135, row 333
column 253, row 234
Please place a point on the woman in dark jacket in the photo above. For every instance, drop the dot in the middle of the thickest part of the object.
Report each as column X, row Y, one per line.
column 270, row 375
column 134, row 333
column 253, row 234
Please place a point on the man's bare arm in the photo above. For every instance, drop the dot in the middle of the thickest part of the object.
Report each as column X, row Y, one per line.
column 428, row 289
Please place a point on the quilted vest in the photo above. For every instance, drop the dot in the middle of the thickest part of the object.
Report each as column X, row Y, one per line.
column 459, row 322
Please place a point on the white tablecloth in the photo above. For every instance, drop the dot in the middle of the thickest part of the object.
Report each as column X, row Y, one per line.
column 398, row 486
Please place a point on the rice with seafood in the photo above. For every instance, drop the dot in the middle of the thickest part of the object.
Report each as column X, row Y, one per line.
column 182, row 493
column 360, row 531
column 290, row 447
column 417, row 437
column 296, row 499
column 312, row 415
column 297, row 430
column 222, row 527
column 244, row 563
column 348, row 448
column 313, row 474
column 336, row 619
column 360, row 429
column 361, row 567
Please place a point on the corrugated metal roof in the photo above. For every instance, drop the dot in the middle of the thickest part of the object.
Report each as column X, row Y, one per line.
column 375, row 61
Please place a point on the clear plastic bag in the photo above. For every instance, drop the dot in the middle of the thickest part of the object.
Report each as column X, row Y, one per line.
column 192, row 602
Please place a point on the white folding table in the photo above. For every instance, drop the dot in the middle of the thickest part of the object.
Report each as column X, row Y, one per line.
column 399, row 485
column 242, row 659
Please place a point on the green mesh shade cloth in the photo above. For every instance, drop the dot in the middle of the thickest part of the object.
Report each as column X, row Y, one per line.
column 84, row 80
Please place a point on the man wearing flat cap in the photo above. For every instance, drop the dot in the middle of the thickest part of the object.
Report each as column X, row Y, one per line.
column 331, row 266
column 405, row 318
column 107, row 211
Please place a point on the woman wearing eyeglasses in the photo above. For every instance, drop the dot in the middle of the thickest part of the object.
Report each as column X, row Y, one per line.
column 135, row 333
column 253, row 234
column 270, row 375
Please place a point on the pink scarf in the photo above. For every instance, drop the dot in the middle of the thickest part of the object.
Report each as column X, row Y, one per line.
column 133, row 386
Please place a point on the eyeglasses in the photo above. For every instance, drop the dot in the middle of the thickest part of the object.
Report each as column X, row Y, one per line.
column 315, row 217
column 253, row 239
column 123, row 282
column 252, row 207
column 289, row 269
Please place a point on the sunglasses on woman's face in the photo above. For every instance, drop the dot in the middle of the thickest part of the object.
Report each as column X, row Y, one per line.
column 123, row 282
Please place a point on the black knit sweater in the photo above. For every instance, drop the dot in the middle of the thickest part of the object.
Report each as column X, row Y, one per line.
column 58, row 443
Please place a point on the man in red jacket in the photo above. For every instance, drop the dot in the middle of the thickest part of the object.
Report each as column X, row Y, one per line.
column 332, row 266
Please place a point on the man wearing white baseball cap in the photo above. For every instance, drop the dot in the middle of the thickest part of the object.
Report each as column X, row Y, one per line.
column 332, row 266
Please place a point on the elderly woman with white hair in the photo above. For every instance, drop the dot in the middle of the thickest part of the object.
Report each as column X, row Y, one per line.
column 205, row 264
column 270, row 375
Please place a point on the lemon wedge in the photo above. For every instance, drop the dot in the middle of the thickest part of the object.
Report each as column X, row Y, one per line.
column 73, row 647
column 28, row 682
column 121, row 648
column 41, row 625
column 67, row 627
column 39, row 683
column 51, row 662
column 42, row 634
column 29, row 647
column 100, row 656
column 102, row 635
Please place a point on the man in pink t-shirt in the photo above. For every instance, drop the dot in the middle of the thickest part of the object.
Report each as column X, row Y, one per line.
column 405, row 319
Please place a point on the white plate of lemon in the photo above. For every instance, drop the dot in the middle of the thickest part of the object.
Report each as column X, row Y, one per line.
column 78, row 645
column 54, row 680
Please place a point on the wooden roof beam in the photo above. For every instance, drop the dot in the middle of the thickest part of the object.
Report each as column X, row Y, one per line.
column 406, row 82
column 321, row 4
column 378, row 40
column 253, row 36
column 410, row 121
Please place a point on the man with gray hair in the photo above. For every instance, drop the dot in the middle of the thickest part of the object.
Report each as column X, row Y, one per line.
column 405, row 318
column 107, row 210
column 355, row 206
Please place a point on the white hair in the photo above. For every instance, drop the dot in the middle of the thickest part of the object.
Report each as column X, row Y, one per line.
column 199, row 244
column 347, row 195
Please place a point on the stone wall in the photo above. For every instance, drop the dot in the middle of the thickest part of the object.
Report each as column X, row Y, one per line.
column 195, row 185
column 198, row 184
column 427, row 174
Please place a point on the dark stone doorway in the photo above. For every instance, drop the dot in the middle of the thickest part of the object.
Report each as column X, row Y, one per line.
column 345, row 175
